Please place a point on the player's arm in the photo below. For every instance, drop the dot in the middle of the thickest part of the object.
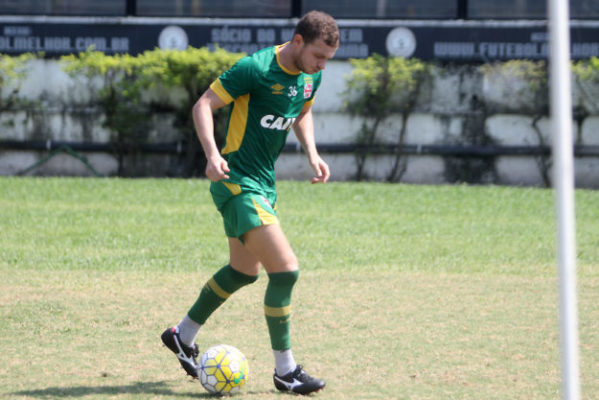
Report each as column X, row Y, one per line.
column 304, row 131
column 216, row 167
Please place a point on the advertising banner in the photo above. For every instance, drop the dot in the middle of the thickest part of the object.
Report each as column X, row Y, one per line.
column 427, row 40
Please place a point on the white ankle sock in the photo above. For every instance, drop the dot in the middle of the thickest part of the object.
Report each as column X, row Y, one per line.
column 188, row 330
column 284, row 362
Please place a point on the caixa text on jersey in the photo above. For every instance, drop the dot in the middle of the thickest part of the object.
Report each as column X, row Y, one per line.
column 276, row 123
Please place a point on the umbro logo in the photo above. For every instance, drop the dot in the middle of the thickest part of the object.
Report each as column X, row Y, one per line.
column 277, row 88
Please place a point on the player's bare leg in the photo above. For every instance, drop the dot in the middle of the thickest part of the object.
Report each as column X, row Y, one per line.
column 269, row 245
column 241, row 259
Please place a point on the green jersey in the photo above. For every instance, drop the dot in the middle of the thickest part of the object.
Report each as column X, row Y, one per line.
column 267, row 98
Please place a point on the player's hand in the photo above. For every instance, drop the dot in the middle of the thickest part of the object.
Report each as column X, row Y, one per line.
column 217, row 168
column 322, row 171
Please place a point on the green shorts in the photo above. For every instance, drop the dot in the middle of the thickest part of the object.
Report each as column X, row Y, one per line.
column 242, row 208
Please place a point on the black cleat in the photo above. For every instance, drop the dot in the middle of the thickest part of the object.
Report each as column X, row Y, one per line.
column 298, row 381
column 186, row 354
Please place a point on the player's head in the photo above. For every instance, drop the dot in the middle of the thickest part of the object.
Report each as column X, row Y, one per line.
column 318, row 25
column 316, row 38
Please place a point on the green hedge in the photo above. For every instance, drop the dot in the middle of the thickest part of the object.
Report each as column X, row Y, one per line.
column 126, row 77
column 377, row 87
column 12, row 71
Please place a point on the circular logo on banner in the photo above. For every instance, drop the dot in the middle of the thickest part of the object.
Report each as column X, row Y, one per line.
column 173, row 37
column 401, row 42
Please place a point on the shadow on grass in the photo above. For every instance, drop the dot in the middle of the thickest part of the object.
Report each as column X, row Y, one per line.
column 154, row 388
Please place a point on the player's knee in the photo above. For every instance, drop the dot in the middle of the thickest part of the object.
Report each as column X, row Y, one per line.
column 283, row 279
column 282, row 263
column 290, row 263
column 243, row 279
column 231, row 280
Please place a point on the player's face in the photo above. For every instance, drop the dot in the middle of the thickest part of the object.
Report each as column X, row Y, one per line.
column 313, row 57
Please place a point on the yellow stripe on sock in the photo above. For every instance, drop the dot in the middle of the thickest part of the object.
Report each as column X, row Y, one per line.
column 277, row 311
column 220, row 292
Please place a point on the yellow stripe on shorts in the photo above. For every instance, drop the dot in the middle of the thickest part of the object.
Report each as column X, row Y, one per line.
column 277, row 311
column 265, row 217
column 233, row 187
column 220, row 292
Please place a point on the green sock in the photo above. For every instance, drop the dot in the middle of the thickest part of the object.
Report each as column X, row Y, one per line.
column 218, row 289
column 277, row 308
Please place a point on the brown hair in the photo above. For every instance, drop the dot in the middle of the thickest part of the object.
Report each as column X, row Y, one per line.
column 317, row 24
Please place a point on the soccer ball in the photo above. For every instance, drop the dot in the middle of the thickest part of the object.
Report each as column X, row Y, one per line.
column 223, row 369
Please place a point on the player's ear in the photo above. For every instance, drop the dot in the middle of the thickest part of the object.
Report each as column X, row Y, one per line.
column 298, row 40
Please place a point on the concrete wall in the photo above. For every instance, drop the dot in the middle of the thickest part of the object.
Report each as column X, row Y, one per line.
column 458, row 106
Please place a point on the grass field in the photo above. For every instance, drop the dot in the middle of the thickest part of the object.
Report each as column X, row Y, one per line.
column 406, row 292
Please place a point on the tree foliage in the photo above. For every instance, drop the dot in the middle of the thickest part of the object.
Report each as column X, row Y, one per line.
column 586, row 79
column 12, row 70
column 587, row 70
column 377, row 87
column 125, row 78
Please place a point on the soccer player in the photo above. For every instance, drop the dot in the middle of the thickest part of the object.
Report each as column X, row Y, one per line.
column 271, row 92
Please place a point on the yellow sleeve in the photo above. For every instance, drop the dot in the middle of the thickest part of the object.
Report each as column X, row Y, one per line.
column 308, row 104
column 221, row 92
